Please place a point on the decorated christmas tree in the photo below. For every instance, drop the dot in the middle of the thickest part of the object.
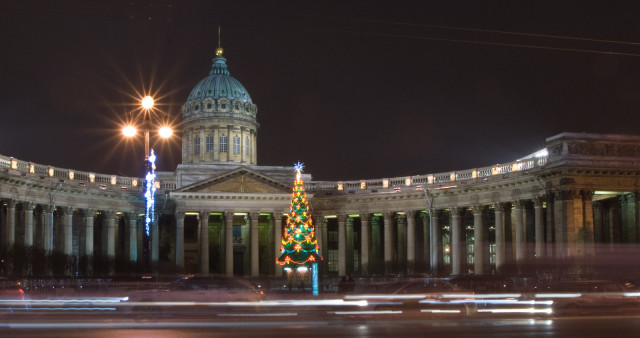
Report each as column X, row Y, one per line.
column 299, row 245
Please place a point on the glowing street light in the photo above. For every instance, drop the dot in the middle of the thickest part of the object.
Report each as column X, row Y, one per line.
column 164, row 132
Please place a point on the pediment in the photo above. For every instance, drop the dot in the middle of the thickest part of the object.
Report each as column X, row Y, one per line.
column 241, row 180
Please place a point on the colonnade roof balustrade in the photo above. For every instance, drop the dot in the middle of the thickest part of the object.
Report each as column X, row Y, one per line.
column 166, row 181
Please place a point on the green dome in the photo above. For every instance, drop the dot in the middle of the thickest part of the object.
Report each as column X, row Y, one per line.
column 219, row 84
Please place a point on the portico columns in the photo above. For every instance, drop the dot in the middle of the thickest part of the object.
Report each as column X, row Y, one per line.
column 521, row 249
column 426, row 239
column 228, row 242
column 411, row 241
column 88, row 232
column 68, row 230
column 539, row 227
column 364, row 242
column 342, row 245
column 11, row 222
column 180, row 238
column 204, row 241
column 277, row 239
column 388, row 242
column 435, row 243
column 28, row 223
column 133, row 236
column 253, row 216
column 500, row 241
column 479, row 242
column 456, row 245
column 109, row 219
column 48, row 229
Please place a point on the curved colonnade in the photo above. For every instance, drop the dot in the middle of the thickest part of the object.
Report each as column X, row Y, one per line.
column 575, row 201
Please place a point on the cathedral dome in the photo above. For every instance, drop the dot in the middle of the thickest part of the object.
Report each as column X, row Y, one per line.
column 219, row 93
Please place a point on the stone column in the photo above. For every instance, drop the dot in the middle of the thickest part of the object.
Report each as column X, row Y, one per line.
column 597, row 222
column 68, row 230
column 317, row 230
column 456, row 245
column 48, row 229
column 277, row 240
column 11, row 222
column 426, row 239
column 500, row 239
column 133, row 236
column 399, row 252
column 365, row 227
column 479, row 242
column 179, row 215
column 411, row 241
column 109, row 219
column 521, row 248
column 570, row 223
column 588, row 223
column 436, row 243
column 28, row 223
column 550, row 231
column 388, row 242
column 255, row 254
column 349, row 245
column 342, row 245
column 538, row 214
column 88, row 232
column 228, row 241
column 204, row 241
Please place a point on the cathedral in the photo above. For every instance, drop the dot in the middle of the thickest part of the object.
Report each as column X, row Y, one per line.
column 221, row 212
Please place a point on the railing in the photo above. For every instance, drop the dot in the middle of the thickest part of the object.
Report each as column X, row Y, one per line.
column 122, row 183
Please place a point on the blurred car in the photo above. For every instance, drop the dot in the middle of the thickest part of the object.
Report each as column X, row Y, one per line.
column 431, row 295
column 11, row 290
column 199, row 288
column 589, row 296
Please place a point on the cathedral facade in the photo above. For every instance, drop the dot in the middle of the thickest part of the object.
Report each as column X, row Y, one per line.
column 221, row 212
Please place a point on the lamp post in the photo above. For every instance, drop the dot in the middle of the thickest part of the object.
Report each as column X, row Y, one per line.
column 147, row 104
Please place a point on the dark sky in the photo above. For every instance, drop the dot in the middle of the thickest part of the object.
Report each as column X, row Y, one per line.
column 355, row 89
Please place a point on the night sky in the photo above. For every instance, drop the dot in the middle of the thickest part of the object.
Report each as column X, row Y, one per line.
column 354, row 89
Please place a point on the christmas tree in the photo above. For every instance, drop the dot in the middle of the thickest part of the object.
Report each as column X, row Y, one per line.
column 299, row 244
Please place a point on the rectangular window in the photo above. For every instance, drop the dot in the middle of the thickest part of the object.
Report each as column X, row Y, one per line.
column 236, row 145
column 196, row 145
column 223, row 144
column 246, row 146
column 209, row 145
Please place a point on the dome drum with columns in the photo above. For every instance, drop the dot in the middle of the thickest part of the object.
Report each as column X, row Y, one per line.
column 219, row 120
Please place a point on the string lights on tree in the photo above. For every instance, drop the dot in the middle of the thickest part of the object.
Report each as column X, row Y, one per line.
column 299, row 245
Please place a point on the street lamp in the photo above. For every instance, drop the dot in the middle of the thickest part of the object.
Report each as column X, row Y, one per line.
column 147, row 104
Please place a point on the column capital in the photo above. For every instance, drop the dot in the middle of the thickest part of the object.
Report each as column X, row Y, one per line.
column 456, row 211
column 400, row 217
column 410, row 213
column 388, row 214
column 277, row 215
column 253, row 216
column 131, row 215
column 365, row 217
column 89, row 212
column 588, row 194
column 565, row 194
column 519, row 204
column 499, row 207
column 179, row 214
column 342, row 217
column 11, row 203
column 477, row 209
column 538, row 201
column 228, row 215
column 109, row 214
column 28, row 205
